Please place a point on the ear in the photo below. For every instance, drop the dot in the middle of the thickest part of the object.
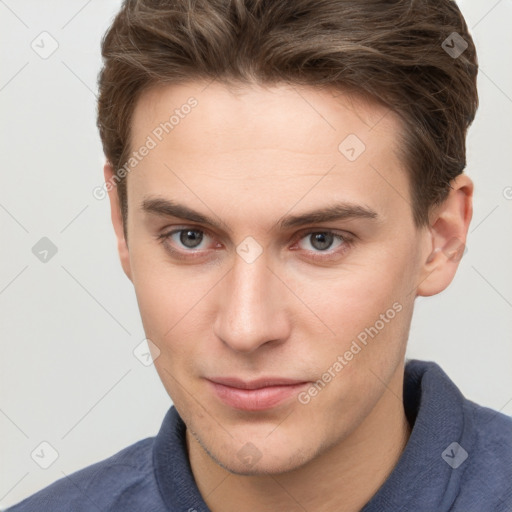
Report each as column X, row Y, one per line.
column 117, row 220
column 447, row 234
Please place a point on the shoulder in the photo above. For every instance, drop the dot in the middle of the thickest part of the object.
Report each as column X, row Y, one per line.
column 474, row 472
column 123, row 481
column 487, row 476
column 493, row 429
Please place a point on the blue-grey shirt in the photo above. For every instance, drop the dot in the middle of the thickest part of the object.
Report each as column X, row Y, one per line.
column 458, row 458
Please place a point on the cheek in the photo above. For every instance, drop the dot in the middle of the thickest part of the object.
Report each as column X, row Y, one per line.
column 171, row 302
column 157, row 303
column 354, row 299
column 162, row 303
column 367, row 312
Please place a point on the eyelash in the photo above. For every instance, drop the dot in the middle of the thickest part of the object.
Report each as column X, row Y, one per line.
column 348, row 242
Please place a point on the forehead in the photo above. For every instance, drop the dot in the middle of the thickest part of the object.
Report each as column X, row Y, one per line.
column 279, row 115
column 302, row 140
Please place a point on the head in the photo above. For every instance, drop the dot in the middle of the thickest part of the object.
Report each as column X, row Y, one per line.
column 285, row 179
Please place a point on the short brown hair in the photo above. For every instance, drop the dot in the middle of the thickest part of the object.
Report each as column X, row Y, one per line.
column 392, row 50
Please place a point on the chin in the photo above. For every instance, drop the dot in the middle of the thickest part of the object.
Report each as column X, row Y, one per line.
column 274, row 464
column 261, row 457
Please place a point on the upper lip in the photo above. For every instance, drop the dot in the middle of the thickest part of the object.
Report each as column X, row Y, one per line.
column 263, row 382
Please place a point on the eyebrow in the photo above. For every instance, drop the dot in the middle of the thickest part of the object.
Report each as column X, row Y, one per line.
column 338, row 211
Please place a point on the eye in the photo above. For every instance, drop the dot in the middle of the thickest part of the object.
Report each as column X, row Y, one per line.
column 322, row 241
column 189, row 242
column 186, row 243
column 190, row 238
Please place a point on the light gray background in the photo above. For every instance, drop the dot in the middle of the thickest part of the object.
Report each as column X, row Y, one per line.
column 69, row 326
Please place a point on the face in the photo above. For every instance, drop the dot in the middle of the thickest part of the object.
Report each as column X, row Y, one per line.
column 277, row 328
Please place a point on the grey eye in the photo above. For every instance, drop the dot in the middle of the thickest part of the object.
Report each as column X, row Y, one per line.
column 321, row 240
column 190, row 238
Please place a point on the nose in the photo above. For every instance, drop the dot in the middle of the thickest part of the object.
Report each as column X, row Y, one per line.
column 252, row 306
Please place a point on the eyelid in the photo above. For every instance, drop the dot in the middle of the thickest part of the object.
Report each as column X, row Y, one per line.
column 348, row 240
column 166, row 234
column 300, row 234
column 178, row 254
column 346, row 235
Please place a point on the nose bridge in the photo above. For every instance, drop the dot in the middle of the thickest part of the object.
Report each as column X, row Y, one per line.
column 250, row 313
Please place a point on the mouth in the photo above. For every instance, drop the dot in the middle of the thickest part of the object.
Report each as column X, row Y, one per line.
column 256, row 395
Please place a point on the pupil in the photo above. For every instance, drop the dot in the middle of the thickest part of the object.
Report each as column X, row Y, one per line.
column 188, row 237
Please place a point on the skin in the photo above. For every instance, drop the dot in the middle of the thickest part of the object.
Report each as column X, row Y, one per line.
column 247, row 157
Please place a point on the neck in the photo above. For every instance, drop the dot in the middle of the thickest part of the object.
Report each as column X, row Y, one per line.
column 342, row 479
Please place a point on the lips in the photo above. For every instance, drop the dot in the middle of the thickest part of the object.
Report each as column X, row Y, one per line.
column 257, row 395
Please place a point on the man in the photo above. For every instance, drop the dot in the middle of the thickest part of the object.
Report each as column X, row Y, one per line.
column 285, row 178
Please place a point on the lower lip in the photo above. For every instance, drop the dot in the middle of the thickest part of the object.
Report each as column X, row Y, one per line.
column 256, row 399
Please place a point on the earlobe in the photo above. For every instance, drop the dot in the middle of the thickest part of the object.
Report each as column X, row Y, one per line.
column 447, row 233
column 117, row 219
